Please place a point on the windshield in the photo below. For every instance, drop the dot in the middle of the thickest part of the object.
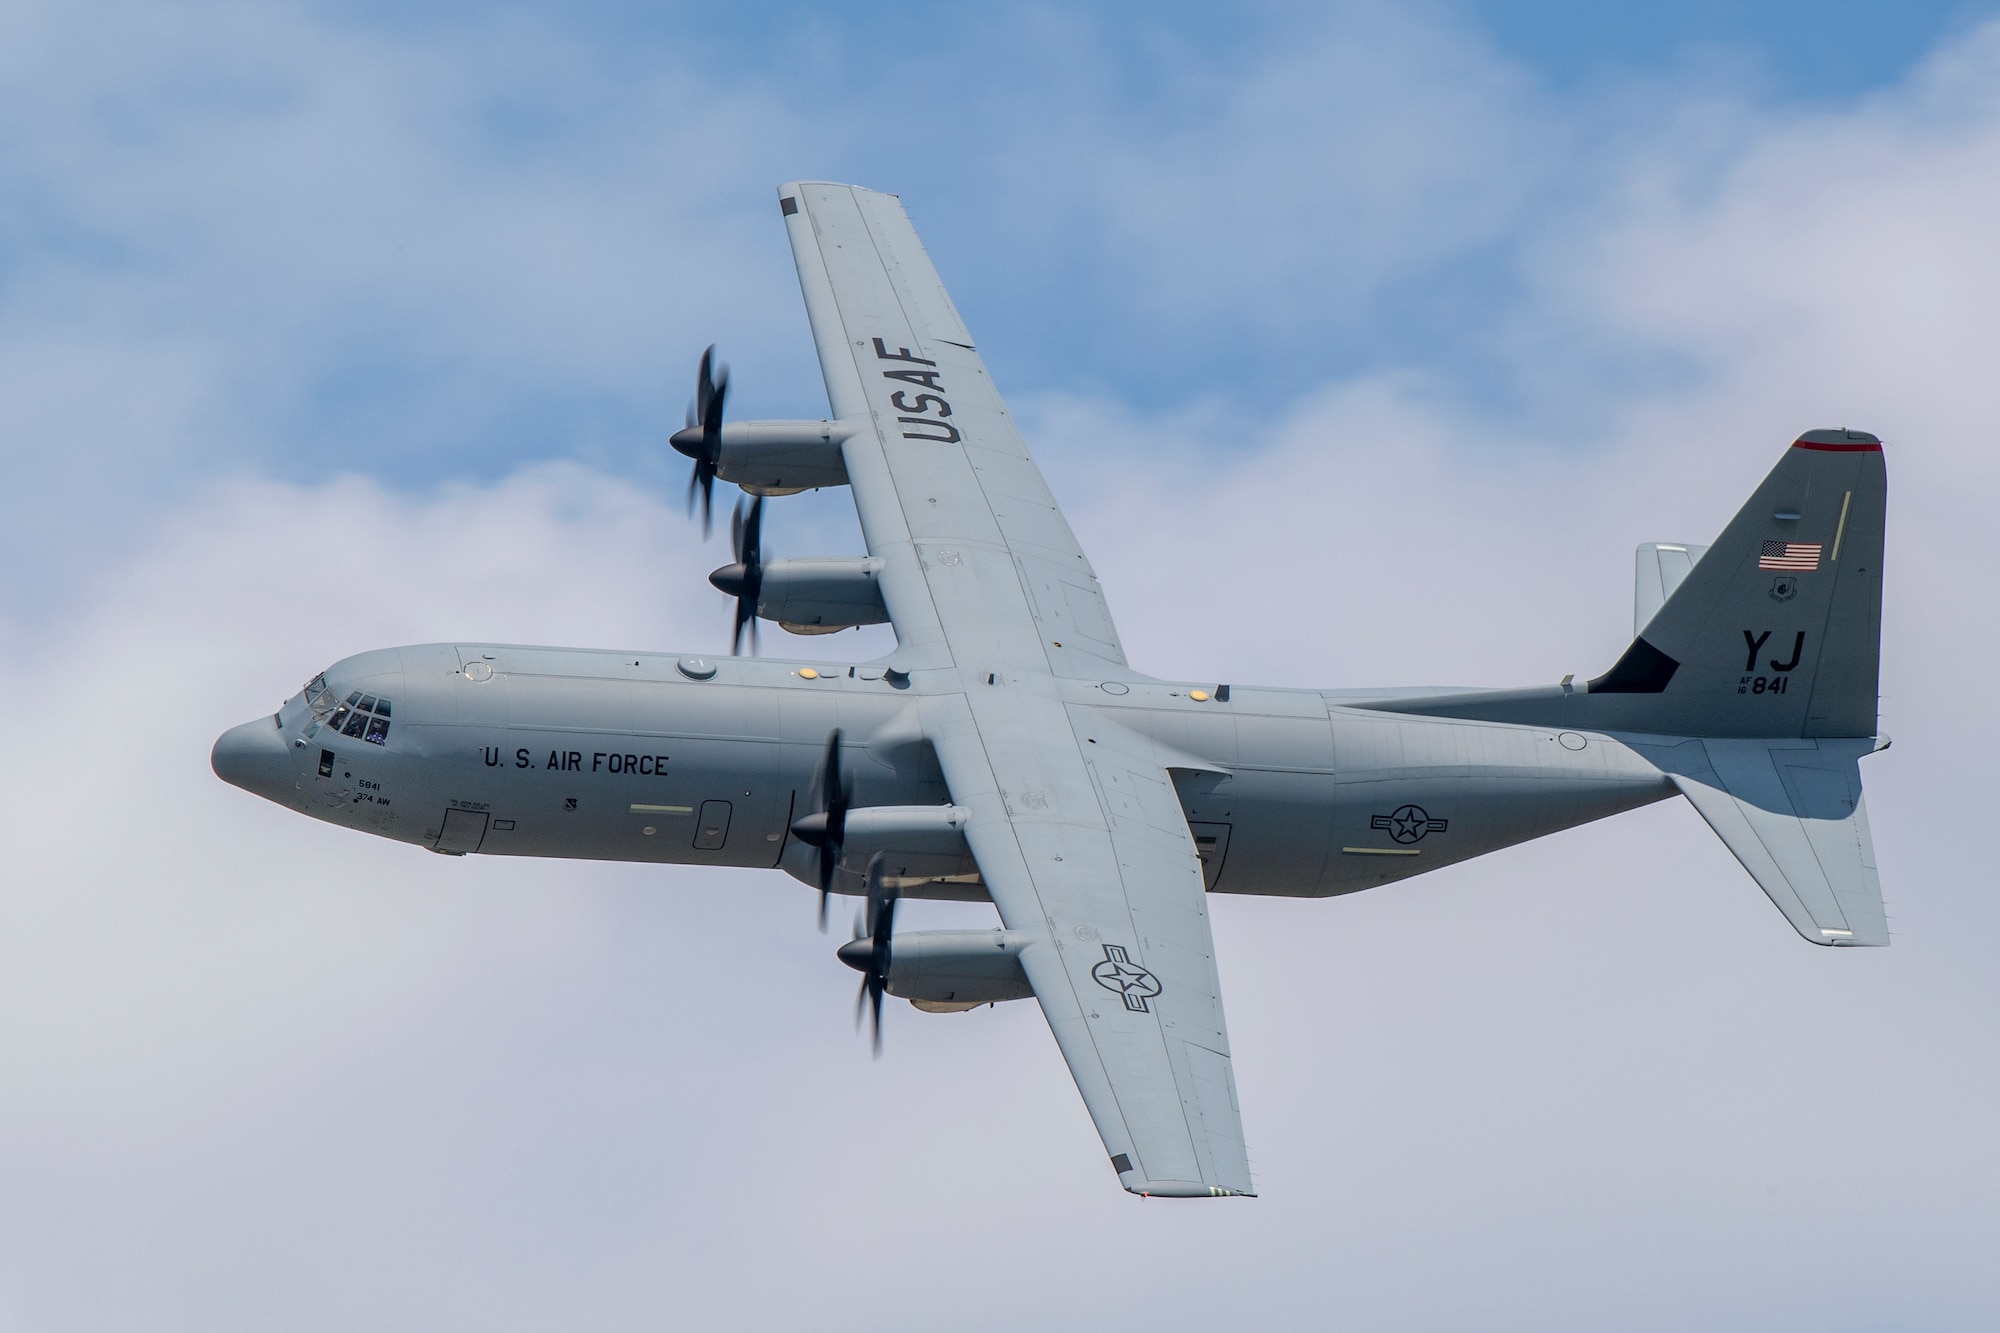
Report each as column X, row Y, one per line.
column 362, row 716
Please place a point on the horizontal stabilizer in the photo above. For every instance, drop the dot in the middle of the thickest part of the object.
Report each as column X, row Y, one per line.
column 1793, row 814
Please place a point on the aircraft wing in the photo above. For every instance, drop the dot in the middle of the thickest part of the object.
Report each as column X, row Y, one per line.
column 1079, row 836
column 946, row 491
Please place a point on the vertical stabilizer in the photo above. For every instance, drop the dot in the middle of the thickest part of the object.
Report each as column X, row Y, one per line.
column 1773, row 631
column 1776, row 630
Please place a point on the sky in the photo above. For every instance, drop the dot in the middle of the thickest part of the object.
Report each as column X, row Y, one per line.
column 1361, row 343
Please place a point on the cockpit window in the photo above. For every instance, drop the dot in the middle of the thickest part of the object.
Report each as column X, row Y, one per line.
column 363, row 715
column 317, row 697
column 359, row 722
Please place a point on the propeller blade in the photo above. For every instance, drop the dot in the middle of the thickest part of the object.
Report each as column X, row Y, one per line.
column 882, row 925
column 703, row 480
column 831, row 792
column 745, row 579
column 747, row 535
column 701, row 440
column 870, row 952
column 875, row 999
column 704, row 383
column 714, row 389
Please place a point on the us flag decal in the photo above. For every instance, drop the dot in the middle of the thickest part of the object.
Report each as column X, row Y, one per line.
column 1789, row 555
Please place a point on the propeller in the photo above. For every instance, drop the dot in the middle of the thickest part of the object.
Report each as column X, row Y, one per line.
column 744, row 580
column 826, row 828
column 701, row 439
column 868, row 952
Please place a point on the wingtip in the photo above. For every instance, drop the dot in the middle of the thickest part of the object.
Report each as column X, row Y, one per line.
column 793, row 187
column 1182, row 1189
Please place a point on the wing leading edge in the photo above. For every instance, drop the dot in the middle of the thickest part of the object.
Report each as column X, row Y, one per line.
column 1079, row 837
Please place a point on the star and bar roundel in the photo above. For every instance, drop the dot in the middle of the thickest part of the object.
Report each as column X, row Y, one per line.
column 1409, row 823
column 1125, row 978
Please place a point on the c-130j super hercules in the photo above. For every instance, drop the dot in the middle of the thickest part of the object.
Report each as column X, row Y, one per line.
column 1005, row 750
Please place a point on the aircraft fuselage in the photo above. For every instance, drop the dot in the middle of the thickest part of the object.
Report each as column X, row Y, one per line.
column 602, row 755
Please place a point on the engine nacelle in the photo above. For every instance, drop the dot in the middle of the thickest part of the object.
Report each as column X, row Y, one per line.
column 908, row 828
column 820, row 596
column 924, row 853
column 946, row 970
column 776, row 457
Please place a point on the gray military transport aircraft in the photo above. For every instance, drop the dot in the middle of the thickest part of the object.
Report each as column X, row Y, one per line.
column 1005, row 751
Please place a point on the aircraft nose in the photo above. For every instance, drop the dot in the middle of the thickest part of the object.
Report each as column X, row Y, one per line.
column 257, row 758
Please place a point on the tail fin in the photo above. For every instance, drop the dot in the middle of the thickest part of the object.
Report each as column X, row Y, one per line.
column 1776, row 631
